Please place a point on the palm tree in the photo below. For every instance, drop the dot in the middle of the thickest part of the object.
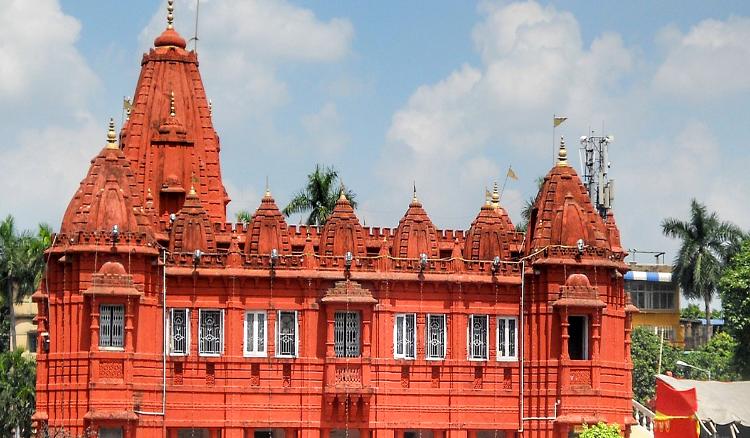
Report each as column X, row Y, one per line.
column 319, row 196
column 528, row 206
column 244, row 217
column 21, row 265
column 707, row 245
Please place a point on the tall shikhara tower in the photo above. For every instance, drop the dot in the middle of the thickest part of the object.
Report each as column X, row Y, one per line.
column 159, row 319
column 169, row 135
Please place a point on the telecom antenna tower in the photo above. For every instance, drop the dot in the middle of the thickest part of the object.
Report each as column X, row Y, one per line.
column 594, row 156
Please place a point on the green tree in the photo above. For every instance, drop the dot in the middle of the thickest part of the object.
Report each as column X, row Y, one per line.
column 644, row 352
column 718, row 357
column 528, row 207
column 707, row 243
column 601, row 430
column 734, row 288
column 319, row 196
column 21, row 265
column 692, row 312
column 17, row 393
column 244, row 217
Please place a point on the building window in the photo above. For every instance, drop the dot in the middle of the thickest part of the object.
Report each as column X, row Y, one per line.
column 478, row 337
column 346, row 330
column 405, row 336
column 435, row 337
column 110, row 432
column 111, row 325
column 507, row 338
column 286, row 334
column 211, row 332
column 578, row 343
column 31, row 338
column 650, row 295
column 179, row 332
column 255, row 334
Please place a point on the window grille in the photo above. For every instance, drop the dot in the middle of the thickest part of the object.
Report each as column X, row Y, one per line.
column 286, row 334
column 211, row 336
column 436, row 337
column 404, row 342
column 346, row 334
column 478, row 337
column 255, row 334
column 179, row 332
column 506, row 338
column 111, row 325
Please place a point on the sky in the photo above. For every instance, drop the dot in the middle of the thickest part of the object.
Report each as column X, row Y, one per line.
column 442, row 94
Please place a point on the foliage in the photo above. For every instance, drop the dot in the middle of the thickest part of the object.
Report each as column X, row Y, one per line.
column 717, row 356
column 21, row 264
column 693, row 312
column 244, row 217
column 319, row 196
column 735, row 298
column 17, row 393
column 601, row 430
column 61, row 432
column 528, row 207
column 4, row 329
column 707, row 244
column 644, row 351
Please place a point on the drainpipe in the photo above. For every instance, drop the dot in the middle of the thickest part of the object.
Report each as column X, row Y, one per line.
column 164, row 343
column 523, row 349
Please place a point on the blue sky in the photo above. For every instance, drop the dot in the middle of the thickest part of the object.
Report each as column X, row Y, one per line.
column 447, row 94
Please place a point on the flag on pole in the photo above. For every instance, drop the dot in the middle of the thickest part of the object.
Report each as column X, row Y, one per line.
column 512, row 175
column 127, row 105
column 558, row 120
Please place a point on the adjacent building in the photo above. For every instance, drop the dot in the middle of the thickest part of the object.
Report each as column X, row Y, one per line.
column 158, row 318
column 653, row 290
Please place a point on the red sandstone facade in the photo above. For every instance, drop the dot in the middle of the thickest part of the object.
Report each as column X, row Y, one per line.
column 295, row 331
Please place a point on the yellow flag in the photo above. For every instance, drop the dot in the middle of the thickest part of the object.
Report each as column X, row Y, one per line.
column 558, row 120
column 127, row 105
column 512, row 175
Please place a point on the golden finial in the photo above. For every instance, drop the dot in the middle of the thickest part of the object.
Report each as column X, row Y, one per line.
column 495, row 195
column 192, row 190
column 562, row 154
column 342, row 194
column 268, row 189
column 172, row 111
column 170, row 14
column 210, row 108
column 112, row 135
column 414, row 192
column 486, row 196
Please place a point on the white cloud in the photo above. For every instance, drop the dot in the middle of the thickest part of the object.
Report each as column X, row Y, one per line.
column 324, row 130
column 45, row 88
column 457, row 135
column 244, row 42
column 709, row 61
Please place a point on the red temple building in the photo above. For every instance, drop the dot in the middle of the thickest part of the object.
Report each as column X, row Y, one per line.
column 157, row 318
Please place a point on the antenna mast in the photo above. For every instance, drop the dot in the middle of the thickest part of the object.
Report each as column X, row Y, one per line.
column 594, row 153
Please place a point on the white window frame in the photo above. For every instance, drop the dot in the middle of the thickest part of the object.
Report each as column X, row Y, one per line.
column 255, row 351
column 278, row 333
column 200, row 333
column 170, row 327
column 504, row 355
column 470, row 336
column 111, row 323
column 403, row 342
column 428, row 336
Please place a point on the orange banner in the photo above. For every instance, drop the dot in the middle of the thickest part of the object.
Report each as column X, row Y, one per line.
column 675, row 412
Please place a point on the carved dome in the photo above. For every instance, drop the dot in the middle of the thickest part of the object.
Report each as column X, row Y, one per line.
column 489, row 235
column 107, row 196
column 268, row 230
column 415, row 234
column 563, row 212
column 192, row 228
column 342, row 231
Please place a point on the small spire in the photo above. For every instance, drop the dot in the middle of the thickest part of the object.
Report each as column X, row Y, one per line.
column 414, row 194
column 192, row 190
column 486, row 196
column 210, row 108
column 172, row 111
column 112, row 135
column 342, row 194
column 495, row 195
column 268, row 189
column 170, row 14
column 562, row 154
